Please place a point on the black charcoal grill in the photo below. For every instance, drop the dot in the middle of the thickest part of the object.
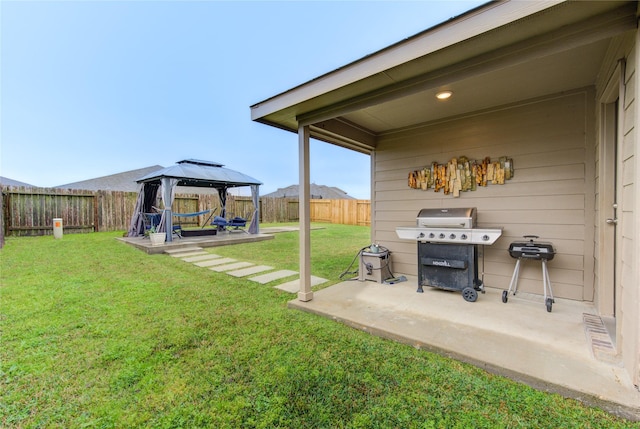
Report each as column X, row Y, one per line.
column 531, row 250
column 448, row 249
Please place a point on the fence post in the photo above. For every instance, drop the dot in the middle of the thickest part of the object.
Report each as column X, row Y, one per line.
column 96, row 219
column 1, row 218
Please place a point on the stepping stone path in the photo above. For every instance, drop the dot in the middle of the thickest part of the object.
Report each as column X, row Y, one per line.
column 294, row 285
column 269, row 277
column 251, row 270
column 215, row 261
column 201, row 258
column 229, row 267
column 185, row 251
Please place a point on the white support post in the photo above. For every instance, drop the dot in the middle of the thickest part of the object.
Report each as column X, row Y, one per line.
column 305, row 293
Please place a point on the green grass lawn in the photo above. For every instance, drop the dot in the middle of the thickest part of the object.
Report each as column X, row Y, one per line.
column 97, row 334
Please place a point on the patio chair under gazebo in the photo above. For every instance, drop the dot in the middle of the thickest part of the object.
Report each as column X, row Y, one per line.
column 190, row 172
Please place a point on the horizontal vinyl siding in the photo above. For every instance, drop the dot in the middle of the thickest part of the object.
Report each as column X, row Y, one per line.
column 629, row 295
column 547, row 195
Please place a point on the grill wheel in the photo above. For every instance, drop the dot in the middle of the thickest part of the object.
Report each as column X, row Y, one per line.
column 469, row 294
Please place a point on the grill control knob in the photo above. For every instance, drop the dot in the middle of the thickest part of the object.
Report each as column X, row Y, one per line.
column 463, row 236
column 452, row 236
column 441, row 235
column 421, row 235
column 485, row 237
column 432, row 235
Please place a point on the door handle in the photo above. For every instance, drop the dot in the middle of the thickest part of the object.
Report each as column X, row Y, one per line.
column 611, row 221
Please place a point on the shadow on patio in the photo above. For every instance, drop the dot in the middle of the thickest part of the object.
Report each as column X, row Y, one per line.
column 553, row 351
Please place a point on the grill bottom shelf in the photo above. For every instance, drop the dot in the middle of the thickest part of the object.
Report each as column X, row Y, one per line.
column 451, row 267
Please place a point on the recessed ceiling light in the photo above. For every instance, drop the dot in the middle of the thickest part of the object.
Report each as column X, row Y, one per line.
column 443, row 95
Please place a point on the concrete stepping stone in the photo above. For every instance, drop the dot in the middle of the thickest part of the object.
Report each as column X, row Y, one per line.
column 294, row 285
column 212, row 262
column 251, row 270
column 182, row 250
column 228, row 267
column 186, row 254
column 199, row 258
column 269, row 277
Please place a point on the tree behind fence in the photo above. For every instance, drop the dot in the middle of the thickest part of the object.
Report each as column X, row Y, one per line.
column 30, row 211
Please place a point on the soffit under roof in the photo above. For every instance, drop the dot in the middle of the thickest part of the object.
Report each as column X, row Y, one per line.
column 479, row 92
column 558, row 48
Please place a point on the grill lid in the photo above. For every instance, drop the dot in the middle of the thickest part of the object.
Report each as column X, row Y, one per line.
column 447, row 218
column 532, row 249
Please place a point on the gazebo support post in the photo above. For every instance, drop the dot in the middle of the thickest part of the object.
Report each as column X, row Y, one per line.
column 169, row 217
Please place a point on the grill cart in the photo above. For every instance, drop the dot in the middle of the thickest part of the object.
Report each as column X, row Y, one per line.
column 448, row 242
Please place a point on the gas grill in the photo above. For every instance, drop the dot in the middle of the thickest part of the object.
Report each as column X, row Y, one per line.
column 531, row 250
column 448, row 249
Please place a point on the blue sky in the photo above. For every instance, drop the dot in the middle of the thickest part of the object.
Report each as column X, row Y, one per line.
column 93, row 88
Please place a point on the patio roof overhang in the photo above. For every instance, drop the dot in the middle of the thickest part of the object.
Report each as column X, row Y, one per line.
column 494, row 55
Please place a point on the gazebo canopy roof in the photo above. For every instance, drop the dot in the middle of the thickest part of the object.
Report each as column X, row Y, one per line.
column 202, row 174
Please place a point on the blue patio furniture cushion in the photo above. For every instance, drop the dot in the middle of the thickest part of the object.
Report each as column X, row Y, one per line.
column 219, row 221
column 238, row 221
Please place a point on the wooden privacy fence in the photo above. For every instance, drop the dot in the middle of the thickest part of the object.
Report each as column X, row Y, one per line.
column 30, row 211
column 346, row 212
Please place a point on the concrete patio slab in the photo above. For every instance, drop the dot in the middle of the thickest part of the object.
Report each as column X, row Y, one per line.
column 519, row 339
column 269, row 277
column 249, row 271
column 294, row 285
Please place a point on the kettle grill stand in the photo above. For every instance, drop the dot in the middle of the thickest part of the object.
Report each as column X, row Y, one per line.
column 546, row 284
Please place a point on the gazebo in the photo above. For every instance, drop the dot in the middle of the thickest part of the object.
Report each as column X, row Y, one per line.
column 189, row 172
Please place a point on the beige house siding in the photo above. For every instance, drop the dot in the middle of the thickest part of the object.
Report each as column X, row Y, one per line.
column 607, row 92
column 629, row 295
column 551, row 141
column 618, row 80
